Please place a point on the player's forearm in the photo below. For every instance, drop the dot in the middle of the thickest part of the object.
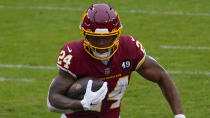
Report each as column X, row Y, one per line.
column 171, row 94
column 62, row 102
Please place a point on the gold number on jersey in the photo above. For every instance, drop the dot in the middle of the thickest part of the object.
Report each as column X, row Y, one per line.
column 118, row 92
column 115, row 95
column 139, row 45
column 64, row 59
column 62, row 54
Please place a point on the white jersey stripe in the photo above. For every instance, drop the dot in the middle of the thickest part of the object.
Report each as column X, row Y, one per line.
column 74, row 75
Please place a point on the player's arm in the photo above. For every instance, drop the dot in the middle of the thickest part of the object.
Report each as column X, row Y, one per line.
column 57, row 98
column 151, row 70
column 58, row 102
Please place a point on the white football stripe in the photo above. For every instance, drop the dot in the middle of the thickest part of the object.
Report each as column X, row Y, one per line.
column 184, row 47
column 121, row 11
column 55, row 68
column 2, row 79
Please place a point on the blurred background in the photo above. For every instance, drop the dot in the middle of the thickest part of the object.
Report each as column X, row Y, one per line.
column 176, row 33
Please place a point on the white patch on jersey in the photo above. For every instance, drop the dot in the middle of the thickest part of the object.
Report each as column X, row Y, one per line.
column 105, row 30
column 70, row 50
column 132, row 38
column 107, row 71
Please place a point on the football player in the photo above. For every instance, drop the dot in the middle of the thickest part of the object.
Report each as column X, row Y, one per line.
column 105, row 54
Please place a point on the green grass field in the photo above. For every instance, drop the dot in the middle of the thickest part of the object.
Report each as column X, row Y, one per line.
column 32, row 32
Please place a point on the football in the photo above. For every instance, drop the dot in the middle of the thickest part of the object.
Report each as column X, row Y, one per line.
column 78, row 89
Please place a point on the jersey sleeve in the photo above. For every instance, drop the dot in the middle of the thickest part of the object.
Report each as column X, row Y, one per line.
column 64, row 60
column 141, row 54
column 136, row 52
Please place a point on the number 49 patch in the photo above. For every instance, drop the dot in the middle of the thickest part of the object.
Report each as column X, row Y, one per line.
column 125, row 64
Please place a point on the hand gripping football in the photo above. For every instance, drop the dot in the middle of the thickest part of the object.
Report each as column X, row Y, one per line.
column 77, row 90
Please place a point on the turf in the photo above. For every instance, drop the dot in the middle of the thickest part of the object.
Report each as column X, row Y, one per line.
column 31, row 34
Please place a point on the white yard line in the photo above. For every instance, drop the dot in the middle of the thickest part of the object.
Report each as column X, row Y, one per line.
column 55, row 68
column 121, row 11
column 2, row 79
column 166, row 12
column 189, row 72
column 27, row 66
column 184, row 47
column 42, row 8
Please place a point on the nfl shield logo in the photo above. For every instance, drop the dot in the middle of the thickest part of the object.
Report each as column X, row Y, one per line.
column 107, row 71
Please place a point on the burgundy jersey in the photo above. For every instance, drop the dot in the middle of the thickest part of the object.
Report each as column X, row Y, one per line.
column 129, row 57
